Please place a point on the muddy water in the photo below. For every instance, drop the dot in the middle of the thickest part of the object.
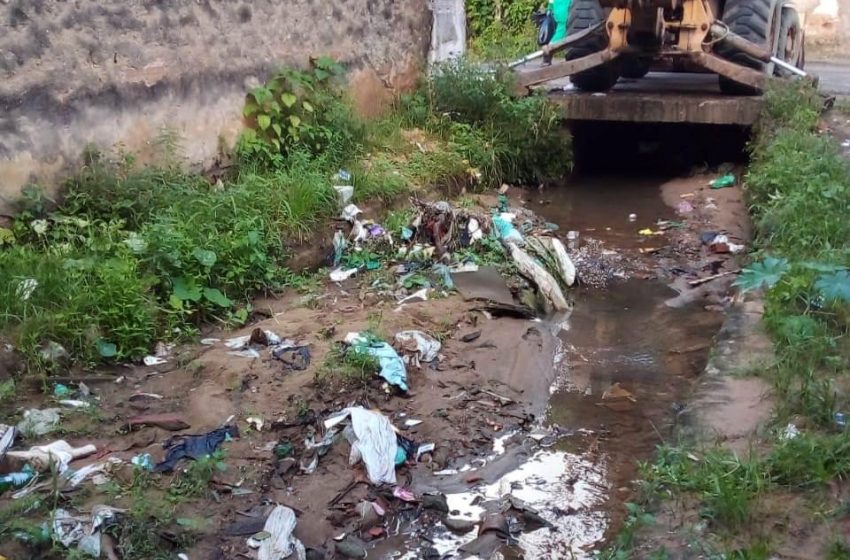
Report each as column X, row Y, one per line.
column 623, row 340
column 625, row 336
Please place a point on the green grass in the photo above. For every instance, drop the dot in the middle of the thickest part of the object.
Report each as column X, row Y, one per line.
column 344, row 365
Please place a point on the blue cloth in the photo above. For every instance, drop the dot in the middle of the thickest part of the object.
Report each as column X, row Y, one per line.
column 392, row 366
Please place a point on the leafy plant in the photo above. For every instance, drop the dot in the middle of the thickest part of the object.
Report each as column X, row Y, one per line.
column 835, row 286
column 762, row 274
column 300, row 110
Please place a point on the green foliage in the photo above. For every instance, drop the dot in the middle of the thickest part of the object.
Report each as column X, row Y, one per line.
column 810, row 459
column 109, row 288
column 299, row 110
column 137, row 255
column 507, row 138
column 7, row 391
column 725, row 484
column 501, row 29
column 799, row 189
column 498, row 43
column 378, row 179
column 344, row 364
column 762, row 274
column 80, row 301
column 194, row 481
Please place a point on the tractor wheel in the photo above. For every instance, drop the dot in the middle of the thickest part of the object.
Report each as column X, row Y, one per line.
column 790, row 45
column 585, row 14
column 752, row 20
column 636, row 68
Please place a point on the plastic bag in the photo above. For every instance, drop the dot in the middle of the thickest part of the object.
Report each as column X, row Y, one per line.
column 424, row 348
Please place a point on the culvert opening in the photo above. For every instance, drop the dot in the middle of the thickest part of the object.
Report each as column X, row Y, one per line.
column 659, row 149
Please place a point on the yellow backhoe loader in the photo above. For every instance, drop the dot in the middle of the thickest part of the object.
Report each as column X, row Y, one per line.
column 742, row 41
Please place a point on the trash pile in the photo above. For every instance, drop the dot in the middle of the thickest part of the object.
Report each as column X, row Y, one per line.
column 60, row 467
column 438, row 244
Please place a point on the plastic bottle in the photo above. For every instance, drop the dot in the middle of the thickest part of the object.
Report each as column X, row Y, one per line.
column 16, row 480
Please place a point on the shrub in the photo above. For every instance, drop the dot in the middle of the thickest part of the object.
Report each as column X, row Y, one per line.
column 300, row 110
column 516, row 139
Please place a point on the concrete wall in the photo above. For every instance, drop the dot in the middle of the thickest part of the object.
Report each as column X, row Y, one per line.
column 109, row 72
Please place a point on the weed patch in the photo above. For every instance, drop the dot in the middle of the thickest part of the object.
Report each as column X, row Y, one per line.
column 344, row 365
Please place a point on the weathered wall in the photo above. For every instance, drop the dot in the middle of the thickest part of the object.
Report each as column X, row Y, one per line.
column 74, row 72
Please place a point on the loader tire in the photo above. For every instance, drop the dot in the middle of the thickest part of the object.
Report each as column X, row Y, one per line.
column 584, row 14
column 636, row 68
column 790, row 46
column 752, row 20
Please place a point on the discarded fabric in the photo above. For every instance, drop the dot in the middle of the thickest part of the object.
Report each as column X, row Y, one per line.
column 281, row 543
column 350, row 213
column 339, row 247
column 58, row 453
column 506, row 231
column 94, row 470
column 372, row 439
column 421, row 295
column 545, row 282
column 293, row 356
column 80, row 531
column 7, row 437
column 193, row 447
column 392, row 366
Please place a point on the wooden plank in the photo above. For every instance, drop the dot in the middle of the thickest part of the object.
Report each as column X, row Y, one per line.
column 563, row 68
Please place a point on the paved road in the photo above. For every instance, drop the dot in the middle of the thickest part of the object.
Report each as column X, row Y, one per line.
column 834, row 77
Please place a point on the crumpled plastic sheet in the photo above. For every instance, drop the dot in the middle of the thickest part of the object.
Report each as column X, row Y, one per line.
column 373, row 440
column 281, row 544
column 85, row 533
column 194, row 447
column 392, row 366
column 506, row 231
column 424, row 348
column 39, row 422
